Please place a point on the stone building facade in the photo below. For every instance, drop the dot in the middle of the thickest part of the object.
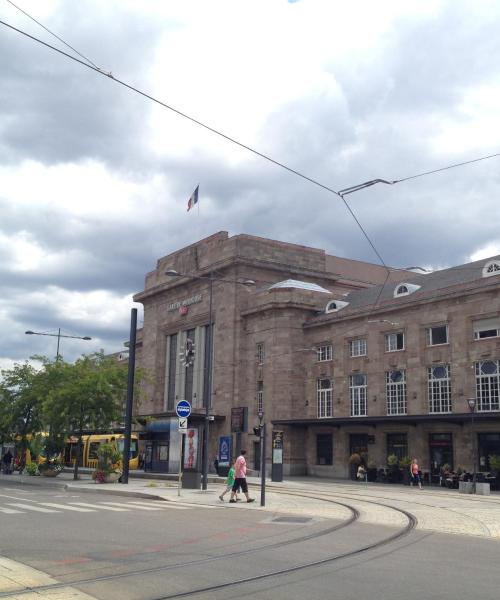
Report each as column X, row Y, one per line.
column 341, row 356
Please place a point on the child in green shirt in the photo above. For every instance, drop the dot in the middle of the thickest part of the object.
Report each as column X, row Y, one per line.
column 229, row 483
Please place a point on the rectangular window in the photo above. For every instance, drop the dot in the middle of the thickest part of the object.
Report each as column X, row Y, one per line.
column 172, row 361
column 93, row 448
column 357, row 347
column 439, row 389
column 397, row 443
column 324, row 398
column 486, row 328
column 260, row 396
column 325, row 353
column 260, row 353
column 324, row 449
column 357, row 390
column 395, row 385
column 437, row 335
column 206, row 366
column 487, row 385
column 394, row 342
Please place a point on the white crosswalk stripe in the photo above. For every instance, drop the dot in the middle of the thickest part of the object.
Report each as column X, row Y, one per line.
column 33, row 507
column 87, row 505
column 12, row 508
column 67, row 507
column 158, row 505
column 129, row 506
column 10, row 511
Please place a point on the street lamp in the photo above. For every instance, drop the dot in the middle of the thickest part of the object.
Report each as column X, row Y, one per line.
column 472, row 407
column 210, row 368
column 58, row 335
column 262, row 435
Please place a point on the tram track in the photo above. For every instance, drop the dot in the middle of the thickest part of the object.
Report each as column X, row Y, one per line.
column 355, row 514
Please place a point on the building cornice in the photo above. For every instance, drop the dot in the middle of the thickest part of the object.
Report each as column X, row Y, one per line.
column 457, row 418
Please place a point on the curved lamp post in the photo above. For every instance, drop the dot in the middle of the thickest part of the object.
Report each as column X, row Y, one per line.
column 210, row 368
column 58, row 335
column 472, row 407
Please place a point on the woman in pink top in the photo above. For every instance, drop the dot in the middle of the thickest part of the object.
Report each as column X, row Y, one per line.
column 415, row 473
column 240, row 475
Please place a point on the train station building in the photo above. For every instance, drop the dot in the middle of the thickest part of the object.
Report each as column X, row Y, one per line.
column 337, row 356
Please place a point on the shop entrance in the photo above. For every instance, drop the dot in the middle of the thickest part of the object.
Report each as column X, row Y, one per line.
column 358, row 444
column 440, row 451
column 489, row 444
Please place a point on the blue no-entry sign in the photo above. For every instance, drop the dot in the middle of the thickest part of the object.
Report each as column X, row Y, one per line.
column 183, row 408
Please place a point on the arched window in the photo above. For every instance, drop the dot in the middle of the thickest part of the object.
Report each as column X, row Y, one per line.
column 405, row 289
column 492, row 267
column 335, row 305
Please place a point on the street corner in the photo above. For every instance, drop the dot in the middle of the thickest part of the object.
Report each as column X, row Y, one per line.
column 16, row 578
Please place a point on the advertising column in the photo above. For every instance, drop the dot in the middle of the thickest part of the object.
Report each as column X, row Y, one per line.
column 277, row 465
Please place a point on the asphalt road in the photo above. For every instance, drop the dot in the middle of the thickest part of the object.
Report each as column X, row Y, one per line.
column 113, row 547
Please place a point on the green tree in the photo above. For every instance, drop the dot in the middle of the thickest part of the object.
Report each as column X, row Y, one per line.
column 20, row 405
column 87, row 396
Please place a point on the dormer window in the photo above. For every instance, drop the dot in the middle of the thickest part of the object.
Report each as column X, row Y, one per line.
column 492, row 267
column 335, row 305
column 405, row 289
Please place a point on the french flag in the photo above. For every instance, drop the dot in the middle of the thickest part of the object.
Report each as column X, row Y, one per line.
column 193, row 199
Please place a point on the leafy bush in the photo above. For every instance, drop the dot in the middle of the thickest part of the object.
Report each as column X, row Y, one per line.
column 392, row 460
column 51, row 464
column 32, row 469
column 405, row 462
column 108, row 461
column 495, row 463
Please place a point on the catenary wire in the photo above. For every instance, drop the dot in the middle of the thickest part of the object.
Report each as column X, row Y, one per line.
column 52, row 33
column 205, row 126
column 90, row 64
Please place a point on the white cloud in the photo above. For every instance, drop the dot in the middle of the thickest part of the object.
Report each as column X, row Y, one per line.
column 492, row 249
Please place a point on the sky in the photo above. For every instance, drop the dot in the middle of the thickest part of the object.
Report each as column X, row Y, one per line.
column 94, row 178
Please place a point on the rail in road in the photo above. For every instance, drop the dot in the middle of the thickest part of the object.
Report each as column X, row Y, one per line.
column 410, row 521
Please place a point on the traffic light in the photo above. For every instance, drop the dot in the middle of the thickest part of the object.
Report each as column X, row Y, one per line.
column 257, row 430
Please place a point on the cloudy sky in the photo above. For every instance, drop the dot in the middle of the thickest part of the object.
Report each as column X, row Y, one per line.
column 94, row 179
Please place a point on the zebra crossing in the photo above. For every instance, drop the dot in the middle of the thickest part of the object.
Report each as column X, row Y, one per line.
column 26, row 506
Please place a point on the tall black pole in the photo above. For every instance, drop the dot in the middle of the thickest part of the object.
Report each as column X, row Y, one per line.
column 263, row 465
column 130, row 394
column 474, row 451
column 208, row 402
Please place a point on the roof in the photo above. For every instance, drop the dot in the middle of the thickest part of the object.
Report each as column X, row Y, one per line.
column 430, row 285
column 299, row 285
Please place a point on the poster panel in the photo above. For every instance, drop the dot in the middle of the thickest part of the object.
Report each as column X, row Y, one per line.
column 191, row 449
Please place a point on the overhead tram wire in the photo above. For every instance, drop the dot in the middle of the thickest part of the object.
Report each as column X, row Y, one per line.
column 340, row 193
column 201, row 124
column 53, row 34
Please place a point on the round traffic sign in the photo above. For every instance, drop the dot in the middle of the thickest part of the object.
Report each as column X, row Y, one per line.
column 183, row 408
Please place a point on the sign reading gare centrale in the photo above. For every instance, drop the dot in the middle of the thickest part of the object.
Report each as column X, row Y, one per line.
column 182, row 303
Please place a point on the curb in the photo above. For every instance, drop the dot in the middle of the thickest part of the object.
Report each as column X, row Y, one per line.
column 114, row 492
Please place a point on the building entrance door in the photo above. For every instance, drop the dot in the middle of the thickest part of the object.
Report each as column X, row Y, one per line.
column 489, row 444
column 358, row 443
column 440, row 451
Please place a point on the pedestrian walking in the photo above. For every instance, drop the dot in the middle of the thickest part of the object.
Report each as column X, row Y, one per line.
column 240, row 472
column 229, row 483
column 415, row 473
column 7, row 462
